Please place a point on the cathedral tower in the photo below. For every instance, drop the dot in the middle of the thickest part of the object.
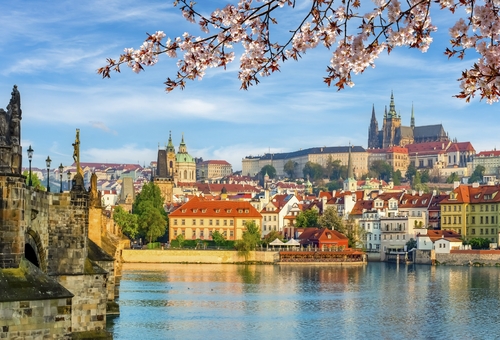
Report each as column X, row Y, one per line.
column 373, row 141
column 392, row 123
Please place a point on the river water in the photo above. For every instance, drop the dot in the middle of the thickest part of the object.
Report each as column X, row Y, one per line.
column 375, row 301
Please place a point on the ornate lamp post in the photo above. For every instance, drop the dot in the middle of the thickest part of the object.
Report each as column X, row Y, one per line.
column 30, row 157
column 69, row 180
column 61, row 168
column 47, row 162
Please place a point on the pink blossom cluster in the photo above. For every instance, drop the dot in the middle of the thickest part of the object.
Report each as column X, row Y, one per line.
column 355, row 40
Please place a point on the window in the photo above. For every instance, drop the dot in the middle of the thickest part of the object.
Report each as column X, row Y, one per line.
column 481, row 231
column 404, row 237
column 183, row 222
column 486, row 219
column 486, row 208
column 459, row 219
column 454, row 208
column 275, row 218
column 210, row 234
column 473, row 208
column 231, row 222
column 473, row 219
column 201, row 233
column 492, row 230
column 225, row 233
column 175, row 232
column 210, row 222
column 486, row 231
column 175, row 222
column 216, row 222
column 201, row 222
column 231, row 234
column 194, row 234
column 225, row 222
column 454, row 220
column 194, row 221
column 481, row 219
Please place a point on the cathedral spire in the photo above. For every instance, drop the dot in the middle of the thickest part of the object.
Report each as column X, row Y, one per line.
column 392, row 107
column 412, row 123
column 385, row 112
column 170, row 145
column 182, row 146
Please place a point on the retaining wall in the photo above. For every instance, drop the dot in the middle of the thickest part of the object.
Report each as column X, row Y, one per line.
column 469, row 257
column 195, row 256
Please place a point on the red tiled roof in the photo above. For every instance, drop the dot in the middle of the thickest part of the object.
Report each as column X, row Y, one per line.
column 493, row 153
column 214, row 162
column 200, row 207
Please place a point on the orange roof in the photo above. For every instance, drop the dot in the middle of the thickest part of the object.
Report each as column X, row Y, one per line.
column 197, row 207
column 435, row 235
column 493, row 153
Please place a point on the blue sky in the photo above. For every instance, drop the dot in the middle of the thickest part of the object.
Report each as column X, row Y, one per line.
column 52, row 49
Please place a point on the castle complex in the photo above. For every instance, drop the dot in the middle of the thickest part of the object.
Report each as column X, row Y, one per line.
column 395, row 134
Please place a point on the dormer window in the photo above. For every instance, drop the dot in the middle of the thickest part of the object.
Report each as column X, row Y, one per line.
column 228, row 211
column 183, row 210
column 246, row 211
column 217, row 211
column 195, row 210
column 240, row 211
column 203, row 210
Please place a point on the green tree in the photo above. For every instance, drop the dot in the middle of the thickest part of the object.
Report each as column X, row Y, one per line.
column 330, row 219
column 249, row 240
column 126, row 221
column 382, row 169
column 271, row 236
column 355, row 234
column 289, row 168
column 396, row 177
column 411, row 172
column 180, row 240
column 35, row 181
column 411, row 244
column 477, row 175
column 452, row 178
column 479, row 243
column 334, row 185
column 269, row 169
column 425, row 176
column 218, row 238
column 151, row 216
column 307, row 218
column 313, row 170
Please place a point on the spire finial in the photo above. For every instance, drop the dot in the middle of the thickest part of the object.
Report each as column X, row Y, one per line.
column 392, row 107
column 412, row 123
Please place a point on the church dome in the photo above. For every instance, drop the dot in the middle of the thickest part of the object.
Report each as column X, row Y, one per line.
column 184, row 158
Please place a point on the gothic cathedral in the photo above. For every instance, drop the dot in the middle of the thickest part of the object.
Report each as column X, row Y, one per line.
column 394, row 134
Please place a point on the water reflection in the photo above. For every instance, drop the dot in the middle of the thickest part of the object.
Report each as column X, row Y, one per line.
column 301, row 302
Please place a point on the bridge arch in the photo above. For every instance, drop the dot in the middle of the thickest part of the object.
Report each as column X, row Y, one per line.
column 33, row 250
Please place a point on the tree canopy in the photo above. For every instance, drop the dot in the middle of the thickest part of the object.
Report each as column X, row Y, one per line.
column 330, row 219
column 307, row 218
column 289, row 168
column 151, row 216
column 126, row 221
column 35, row 181
column 355, row 37
column 477, row 175
column 249, row 240
column 269, row 170
column 381, row 170
column 313, row 170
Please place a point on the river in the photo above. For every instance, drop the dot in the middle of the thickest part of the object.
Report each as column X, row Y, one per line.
column 375, row 301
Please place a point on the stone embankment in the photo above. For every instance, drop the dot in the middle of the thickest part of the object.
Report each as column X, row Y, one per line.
column 469, row 258
column 196, row 256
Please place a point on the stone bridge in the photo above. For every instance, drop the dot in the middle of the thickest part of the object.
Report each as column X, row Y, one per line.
column 55, row 281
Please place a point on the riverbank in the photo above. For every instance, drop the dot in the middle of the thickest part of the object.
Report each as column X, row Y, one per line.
column 233, row 257
column 197, row 256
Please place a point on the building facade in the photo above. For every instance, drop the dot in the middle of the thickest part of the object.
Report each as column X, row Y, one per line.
column 199, row 218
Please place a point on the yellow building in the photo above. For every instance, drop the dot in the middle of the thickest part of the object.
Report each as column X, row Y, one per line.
column 472, row 211
column 198, row 219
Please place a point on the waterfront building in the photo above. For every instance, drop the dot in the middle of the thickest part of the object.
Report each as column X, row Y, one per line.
column 275, row 211
column 472, row 211
column 442, row 241
column 323, row 239
column 199, row 218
